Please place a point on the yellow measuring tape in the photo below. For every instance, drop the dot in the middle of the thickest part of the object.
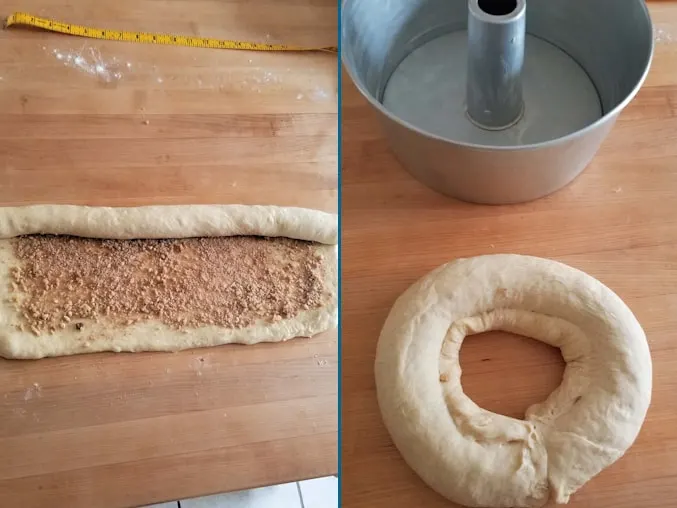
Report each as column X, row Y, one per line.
column 24, row 19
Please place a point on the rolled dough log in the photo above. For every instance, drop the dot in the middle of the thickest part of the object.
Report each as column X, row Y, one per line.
column 162, row 222
column 180, row 221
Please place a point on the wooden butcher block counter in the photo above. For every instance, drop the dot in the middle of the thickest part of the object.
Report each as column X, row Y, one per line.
column 108, row 123
column 618, row 222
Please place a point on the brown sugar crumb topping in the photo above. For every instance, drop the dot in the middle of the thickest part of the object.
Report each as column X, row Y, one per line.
column 226, row 281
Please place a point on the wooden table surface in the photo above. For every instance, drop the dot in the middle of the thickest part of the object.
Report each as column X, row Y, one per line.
column 168, row 125
column 618, row 222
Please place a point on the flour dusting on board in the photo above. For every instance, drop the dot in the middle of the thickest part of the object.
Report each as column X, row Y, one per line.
column 19, row 411
column 663, row 34
column 320, row 93
column 33, row 392
column 261, row 79
column 89, row 61
column 110, row 70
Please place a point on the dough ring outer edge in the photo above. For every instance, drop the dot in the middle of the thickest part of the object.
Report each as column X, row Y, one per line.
column 481, row 459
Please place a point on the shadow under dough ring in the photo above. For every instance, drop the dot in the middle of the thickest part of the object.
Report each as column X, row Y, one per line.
column 478, row 458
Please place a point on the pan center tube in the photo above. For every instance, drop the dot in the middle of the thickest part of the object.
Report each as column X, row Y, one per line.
column 496, row 40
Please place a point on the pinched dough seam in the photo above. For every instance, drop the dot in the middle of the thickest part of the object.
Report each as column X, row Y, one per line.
column 471, row 430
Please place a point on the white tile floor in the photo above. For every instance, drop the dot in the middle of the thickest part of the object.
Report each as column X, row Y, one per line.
column 317, row 493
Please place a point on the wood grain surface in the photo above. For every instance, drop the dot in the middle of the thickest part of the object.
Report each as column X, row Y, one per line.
column 167, row 125
column 618, row 222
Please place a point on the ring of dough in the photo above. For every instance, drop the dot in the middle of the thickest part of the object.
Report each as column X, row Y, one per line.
column 478, row 458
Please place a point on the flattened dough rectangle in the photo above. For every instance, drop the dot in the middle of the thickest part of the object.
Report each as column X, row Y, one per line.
column 163, row 222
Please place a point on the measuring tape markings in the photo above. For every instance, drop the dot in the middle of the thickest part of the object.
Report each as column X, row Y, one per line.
column 24, row 19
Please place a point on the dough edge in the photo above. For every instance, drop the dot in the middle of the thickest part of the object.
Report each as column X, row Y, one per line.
column 155, row 222
column 170, row 221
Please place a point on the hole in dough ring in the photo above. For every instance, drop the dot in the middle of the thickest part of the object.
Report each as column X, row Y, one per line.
column 478, row 458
